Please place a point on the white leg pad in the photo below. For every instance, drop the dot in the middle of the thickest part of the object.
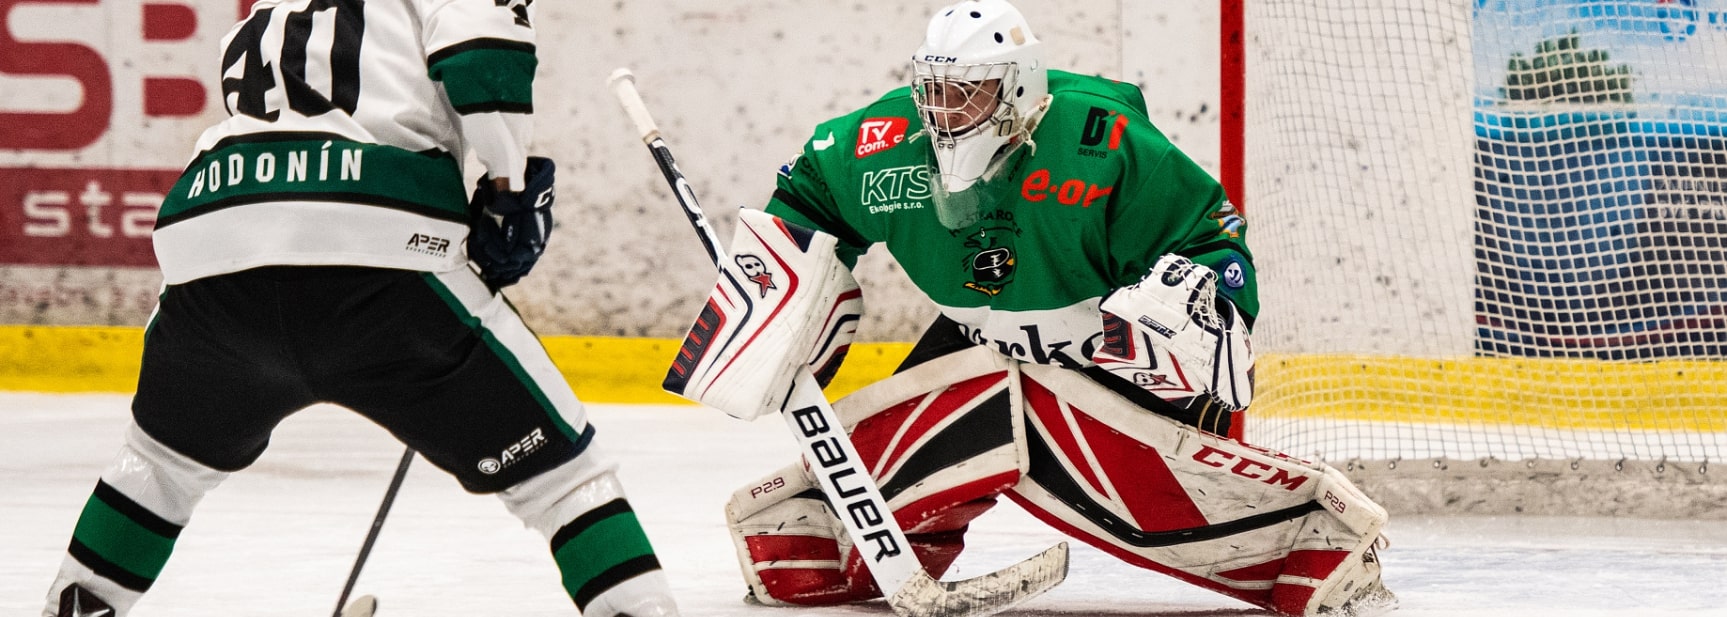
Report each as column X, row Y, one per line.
column 1282, row 533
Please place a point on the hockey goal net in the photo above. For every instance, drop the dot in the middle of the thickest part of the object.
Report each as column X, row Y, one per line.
column 1492, row 247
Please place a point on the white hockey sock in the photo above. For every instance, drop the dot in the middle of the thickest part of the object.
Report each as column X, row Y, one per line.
column 608, row 566
column 128, row 527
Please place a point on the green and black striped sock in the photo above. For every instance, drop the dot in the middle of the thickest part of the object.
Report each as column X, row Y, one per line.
column 600, row 549
column 121, row 540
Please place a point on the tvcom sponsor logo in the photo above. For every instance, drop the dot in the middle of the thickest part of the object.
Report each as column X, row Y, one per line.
column 100, row 103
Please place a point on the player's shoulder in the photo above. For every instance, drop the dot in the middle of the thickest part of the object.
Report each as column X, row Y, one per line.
column 1074, row 89
column 1086, row 108
column 875, row 128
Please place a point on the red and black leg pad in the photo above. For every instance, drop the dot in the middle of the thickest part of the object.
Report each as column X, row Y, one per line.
column 1281, row 533
column 942, row 440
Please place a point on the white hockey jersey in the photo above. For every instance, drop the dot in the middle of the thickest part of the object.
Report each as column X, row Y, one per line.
column 348, row 125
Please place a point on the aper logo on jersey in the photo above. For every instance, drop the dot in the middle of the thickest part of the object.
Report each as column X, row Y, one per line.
column 756, row 271
column 428, row 245
column 879, row 135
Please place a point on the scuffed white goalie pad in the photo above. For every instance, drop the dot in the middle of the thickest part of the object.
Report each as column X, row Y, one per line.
column 1253, row 524
column 784, row 302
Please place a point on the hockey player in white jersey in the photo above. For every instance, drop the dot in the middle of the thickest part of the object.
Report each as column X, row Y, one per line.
column 316, row 250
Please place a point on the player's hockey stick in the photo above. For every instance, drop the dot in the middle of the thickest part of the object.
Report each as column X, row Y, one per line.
column 364, row 606
column 910, row 591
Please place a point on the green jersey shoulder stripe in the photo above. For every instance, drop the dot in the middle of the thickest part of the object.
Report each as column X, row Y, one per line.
column 484, row 75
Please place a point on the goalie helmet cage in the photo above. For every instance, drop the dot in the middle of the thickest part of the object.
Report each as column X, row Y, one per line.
column 1492, row 246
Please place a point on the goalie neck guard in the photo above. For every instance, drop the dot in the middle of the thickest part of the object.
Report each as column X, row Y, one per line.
column 979, row 83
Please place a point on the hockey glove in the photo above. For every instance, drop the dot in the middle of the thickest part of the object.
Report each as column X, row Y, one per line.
column 1171, row 334
column 508, row 230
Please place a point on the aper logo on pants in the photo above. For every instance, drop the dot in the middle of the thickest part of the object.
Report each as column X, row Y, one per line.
column 513, row 454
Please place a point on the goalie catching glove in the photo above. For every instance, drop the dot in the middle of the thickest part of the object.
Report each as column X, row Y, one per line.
column 784, row 303
column 1172, row 335
column 507, row 231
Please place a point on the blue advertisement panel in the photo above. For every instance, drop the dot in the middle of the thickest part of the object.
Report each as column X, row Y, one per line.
column 1601, row 178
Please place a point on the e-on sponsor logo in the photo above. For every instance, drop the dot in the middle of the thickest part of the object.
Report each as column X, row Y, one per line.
column 1073, row 192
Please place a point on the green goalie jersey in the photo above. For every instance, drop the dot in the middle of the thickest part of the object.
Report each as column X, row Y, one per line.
column 348, row 124
column 1087, row 209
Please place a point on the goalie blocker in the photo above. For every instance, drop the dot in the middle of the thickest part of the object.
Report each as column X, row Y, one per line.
column 784, row 302
column 944, row 439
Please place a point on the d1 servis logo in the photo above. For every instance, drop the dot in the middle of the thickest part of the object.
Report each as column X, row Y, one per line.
column 877, row 135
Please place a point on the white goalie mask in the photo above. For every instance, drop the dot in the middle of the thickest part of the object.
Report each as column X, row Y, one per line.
column 980, row 86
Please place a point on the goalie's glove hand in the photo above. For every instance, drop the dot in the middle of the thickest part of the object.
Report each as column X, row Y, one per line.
column 508, row 230
column 1172, row 334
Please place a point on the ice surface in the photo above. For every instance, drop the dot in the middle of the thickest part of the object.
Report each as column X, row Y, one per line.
column 278, row 539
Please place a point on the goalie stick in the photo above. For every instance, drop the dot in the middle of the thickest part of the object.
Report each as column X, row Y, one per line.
column 910, row 591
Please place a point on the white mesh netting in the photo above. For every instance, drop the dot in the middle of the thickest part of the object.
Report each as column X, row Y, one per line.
column 1489, row 229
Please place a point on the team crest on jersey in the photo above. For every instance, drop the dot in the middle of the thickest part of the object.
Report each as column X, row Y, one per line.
column 1229, row 221
column 756, row 271
column 991, row 263
column 876, row 135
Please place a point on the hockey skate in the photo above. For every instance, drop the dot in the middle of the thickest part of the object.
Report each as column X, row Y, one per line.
column 1359, row 592
column 77, row 601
